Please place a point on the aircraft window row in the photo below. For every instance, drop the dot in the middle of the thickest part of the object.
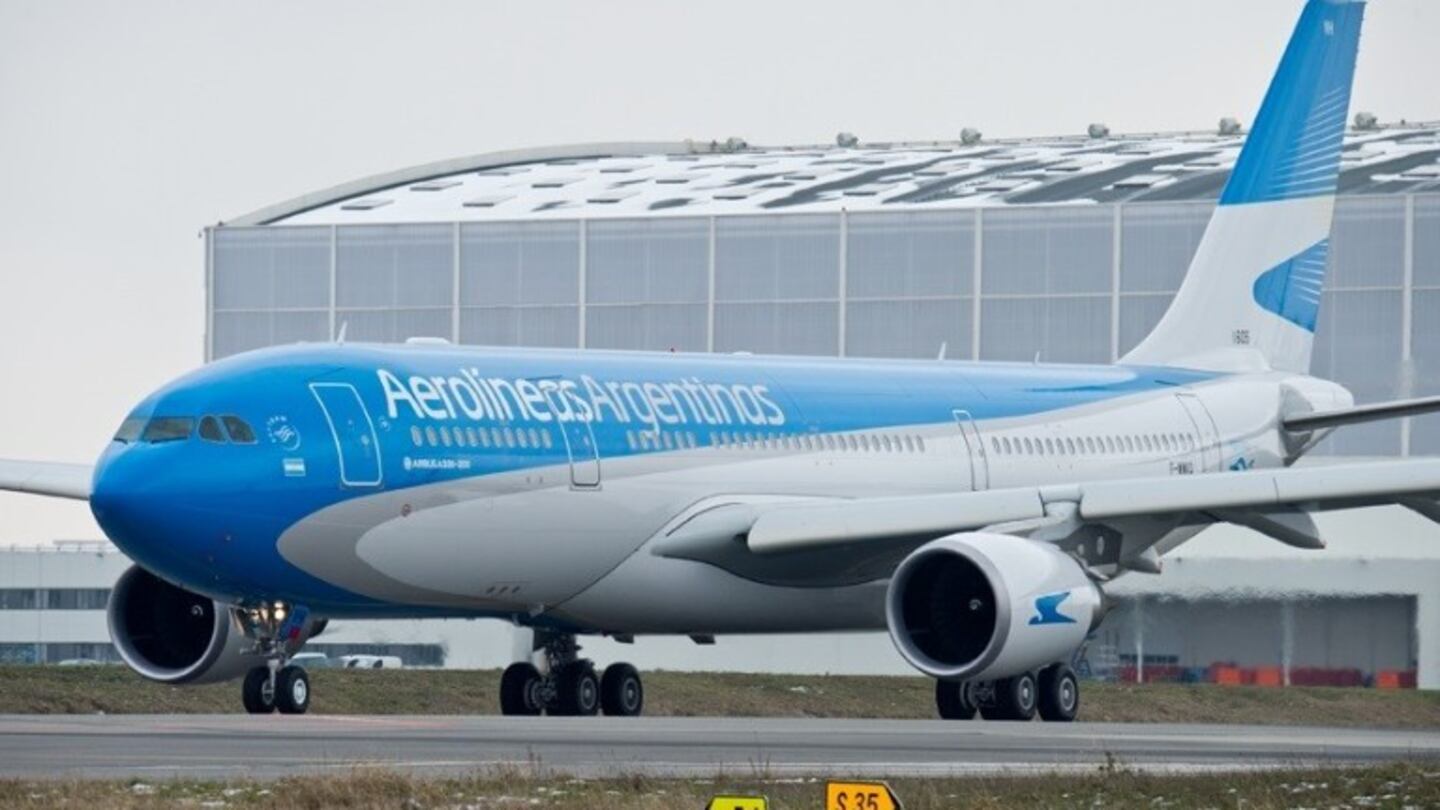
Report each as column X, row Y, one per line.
column 508, row 438
column 841, row 443
column 660, row 440
column 1120, row 444
column 235, row 430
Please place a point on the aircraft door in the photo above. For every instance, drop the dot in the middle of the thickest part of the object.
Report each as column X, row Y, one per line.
column 974, row 450
column 580, row 446
column 1205, row 431
column 356, row 444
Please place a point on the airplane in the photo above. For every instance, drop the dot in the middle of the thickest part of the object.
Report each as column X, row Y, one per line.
column 975, row 511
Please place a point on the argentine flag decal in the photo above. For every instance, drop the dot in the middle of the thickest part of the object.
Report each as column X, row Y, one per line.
column 1291, row 289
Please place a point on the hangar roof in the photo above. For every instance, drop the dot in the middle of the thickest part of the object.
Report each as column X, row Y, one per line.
column 688, row 178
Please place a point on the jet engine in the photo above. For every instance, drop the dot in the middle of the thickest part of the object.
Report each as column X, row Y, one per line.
column 171, row 635
column 981, row 606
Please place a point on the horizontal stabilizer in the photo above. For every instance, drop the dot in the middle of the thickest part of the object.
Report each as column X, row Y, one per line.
column 1363, row 413
column 52, row 478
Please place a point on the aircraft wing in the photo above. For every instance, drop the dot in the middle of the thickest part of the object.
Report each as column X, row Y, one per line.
column 53, row 478
column 1259, row 498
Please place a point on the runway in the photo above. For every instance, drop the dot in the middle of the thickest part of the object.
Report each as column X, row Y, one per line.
column 218, row 746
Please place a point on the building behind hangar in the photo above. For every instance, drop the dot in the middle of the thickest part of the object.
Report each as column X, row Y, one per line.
column 1065, row 249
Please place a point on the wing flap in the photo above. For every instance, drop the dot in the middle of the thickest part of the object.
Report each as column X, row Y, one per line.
column 57, row 479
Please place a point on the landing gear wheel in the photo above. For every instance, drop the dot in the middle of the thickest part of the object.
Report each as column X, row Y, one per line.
column 520, row 690
column 292, row 690
column 577, row 690
column 621, row 692
column 1059, row 693
column 953, row 700
column 257, row 693
column 1014, row 699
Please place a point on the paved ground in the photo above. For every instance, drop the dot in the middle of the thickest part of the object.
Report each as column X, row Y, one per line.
column 237, row 745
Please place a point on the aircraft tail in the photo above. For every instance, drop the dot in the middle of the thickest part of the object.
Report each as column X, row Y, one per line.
column 1251, row 298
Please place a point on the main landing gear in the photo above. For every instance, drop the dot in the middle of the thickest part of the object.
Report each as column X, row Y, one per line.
column 1053, row 693
column 569, row 686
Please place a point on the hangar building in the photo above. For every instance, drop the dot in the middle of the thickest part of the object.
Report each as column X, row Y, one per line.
column 1062, row 249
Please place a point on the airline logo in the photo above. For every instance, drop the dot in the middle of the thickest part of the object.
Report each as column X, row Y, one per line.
column 686, row 401
column 1047, row 609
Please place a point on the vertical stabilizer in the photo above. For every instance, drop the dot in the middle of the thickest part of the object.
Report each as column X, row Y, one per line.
column 1251, row 297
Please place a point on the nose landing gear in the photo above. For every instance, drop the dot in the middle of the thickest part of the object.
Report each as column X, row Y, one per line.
column 569, row 686
column 276, row 685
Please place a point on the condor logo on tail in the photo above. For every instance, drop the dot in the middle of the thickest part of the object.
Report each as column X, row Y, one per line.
column 1047, row 609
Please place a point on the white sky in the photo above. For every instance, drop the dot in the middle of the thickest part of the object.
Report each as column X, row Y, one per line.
column 126, row 127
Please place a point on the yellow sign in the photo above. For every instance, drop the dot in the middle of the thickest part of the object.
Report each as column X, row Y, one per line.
column 739, row 803
column 860, row 796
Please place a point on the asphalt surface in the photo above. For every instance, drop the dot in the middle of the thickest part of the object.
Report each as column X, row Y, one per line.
column 218, row 746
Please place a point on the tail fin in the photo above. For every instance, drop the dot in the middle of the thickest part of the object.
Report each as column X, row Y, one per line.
column 1251, row 297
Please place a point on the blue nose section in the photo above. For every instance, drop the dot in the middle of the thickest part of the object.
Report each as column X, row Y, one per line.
column 142, row 501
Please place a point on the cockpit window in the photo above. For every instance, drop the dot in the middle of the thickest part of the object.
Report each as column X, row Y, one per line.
column 168, row 429
column 130, row 430
column 239, row 430
column 210, row 430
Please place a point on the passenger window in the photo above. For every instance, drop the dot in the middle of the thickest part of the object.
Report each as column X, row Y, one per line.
column 168, row 429
column 472, row 437
column 415, row 436
column 920, row 443
column 430, row 437
column 444, row 436
column 484, row 436
column 520, row 438
column 210, row 430
column 459, row 436
column 239, row 430
column 545, row 438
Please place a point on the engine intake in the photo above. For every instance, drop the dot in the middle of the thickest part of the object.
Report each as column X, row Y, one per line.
column 983, row 606
column 168, row 634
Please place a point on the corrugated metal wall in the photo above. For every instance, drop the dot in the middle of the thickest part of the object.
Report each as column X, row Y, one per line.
column 1066, row 284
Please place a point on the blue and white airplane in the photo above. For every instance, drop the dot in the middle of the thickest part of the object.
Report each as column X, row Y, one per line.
column 976, row 511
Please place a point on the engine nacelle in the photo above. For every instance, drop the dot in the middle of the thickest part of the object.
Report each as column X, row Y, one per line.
column 171, row 635
column 981, row 606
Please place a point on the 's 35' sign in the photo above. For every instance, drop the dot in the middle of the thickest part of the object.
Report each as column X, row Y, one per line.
column 860, row 796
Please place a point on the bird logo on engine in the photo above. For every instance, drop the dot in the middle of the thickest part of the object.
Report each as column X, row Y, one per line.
column 1047, row 609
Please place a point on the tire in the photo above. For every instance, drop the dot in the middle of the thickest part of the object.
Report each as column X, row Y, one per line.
column 256, row 693
column 953, row 701
column 520, row 690
column 621, row 692
column 1015, row 698
column 577, row 691
column 1059, row 694
column 292, row 690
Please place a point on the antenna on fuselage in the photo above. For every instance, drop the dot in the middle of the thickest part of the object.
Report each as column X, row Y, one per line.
column 340, row 338
column 944, row 344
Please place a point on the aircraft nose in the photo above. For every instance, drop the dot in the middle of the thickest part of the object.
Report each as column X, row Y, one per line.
column 130, row 499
